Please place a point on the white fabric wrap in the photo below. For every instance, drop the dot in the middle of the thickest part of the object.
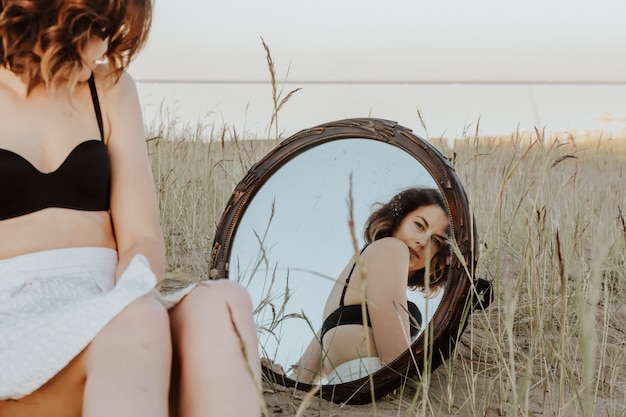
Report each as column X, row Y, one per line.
column 53, row 304
column 353, row 370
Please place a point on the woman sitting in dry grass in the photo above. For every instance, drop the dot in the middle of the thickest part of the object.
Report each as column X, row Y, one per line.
column 402, row 237
column 82, row 329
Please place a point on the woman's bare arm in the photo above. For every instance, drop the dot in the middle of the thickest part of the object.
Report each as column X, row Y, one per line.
column 308, row 368
column 386, row 266
column 134, row 207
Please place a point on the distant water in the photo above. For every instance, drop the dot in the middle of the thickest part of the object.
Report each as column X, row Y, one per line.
column 449, row 110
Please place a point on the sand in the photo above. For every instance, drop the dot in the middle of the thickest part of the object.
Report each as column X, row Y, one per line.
column 473, row 385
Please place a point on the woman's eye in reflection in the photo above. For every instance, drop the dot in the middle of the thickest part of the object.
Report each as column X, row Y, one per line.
column 419, row 225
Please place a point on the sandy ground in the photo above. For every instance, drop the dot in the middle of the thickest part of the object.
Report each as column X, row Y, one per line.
column 474, row 385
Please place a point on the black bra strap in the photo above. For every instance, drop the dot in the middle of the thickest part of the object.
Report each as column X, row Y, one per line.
column 345, row 286
column 415, row 318
column 96, row 105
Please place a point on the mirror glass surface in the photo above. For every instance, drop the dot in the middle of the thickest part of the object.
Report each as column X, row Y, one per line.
column 294, row 238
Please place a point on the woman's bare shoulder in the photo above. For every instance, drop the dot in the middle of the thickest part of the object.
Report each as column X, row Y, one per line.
column 385, row 247
column 386, row 251
column 120, row 106
column 386, row 262
column 112, row 88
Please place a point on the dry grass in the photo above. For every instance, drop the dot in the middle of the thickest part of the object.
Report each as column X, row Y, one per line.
column 551, row 218
column 196, row 170
column 551, row 214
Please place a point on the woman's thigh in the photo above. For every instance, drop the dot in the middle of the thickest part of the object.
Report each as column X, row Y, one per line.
column 62, row 396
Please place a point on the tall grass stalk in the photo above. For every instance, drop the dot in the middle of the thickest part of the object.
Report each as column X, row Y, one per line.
column 363, row 274
column 278, row 101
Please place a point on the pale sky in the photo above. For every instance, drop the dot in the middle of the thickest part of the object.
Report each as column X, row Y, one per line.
column 322, row 40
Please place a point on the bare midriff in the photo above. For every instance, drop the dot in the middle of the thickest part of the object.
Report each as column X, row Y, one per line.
column 55, row 228
column 337, row 339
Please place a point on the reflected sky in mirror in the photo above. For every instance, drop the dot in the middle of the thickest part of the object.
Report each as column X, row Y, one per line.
column 294, row 238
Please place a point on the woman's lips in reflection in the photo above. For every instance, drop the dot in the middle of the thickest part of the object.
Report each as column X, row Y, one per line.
column 413, row 253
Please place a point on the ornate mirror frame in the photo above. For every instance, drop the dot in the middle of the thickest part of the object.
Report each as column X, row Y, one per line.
column 450, row 317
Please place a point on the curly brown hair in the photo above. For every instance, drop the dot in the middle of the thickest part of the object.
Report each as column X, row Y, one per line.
column 44, row 41
column 387, row 218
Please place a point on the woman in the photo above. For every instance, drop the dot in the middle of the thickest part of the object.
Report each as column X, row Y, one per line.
column 403, row 237
column 82, row 330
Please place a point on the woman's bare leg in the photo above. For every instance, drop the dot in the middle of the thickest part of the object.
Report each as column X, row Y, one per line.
column 62, row 396
column 211, row 329
column 123, row 372
column 128, row 364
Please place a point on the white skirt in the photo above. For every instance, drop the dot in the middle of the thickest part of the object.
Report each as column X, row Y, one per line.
column 52, row 305
column 353, row 370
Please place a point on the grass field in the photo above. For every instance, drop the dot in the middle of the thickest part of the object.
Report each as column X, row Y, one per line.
column 551, row 217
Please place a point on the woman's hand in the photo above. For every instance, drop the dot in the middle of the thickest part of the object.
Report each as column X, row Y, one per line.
column 309, row 367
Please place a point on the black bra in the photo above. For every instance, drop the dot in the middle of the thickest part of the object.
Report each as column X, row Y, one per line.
column 352, row 314
column 81, row 182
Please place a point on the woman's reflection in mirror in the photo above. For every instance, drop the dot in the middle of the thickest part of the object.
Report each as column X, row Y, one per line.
column 368, row 321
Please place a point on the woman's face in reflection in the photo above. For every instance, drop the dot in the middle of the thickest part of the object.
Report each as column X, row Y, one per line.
column 418, row 228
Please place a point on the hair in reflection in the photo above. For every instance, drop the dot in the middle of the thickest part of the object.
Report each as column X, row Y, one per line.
column 387, row 218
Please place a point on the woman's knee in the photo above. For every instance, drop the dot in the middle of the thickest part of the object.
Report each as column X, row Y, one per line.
column 229, row 292
column 147, row 315
column 213, row 299
column 143, row 323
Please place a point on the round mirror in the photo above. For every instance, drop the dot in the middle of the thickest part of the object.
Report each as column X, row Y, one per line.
column 294, row 226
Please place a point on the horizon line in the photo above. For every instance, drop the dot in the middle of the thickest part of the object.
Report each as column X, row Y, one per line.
column 382, row 82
